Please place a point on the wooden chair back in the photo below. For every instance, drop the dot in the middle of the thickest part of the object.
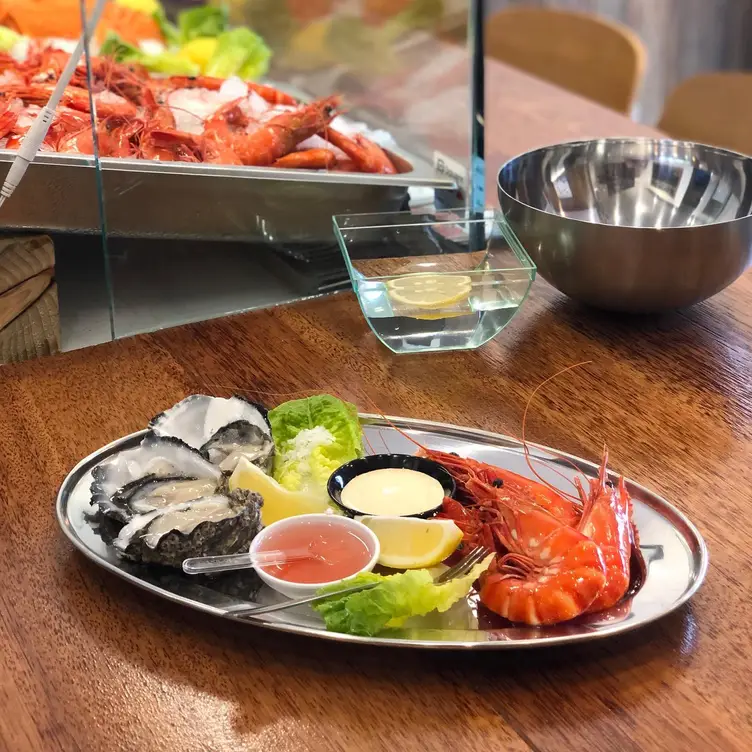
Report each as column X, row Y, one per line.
column 601, row 60
column 712, row 108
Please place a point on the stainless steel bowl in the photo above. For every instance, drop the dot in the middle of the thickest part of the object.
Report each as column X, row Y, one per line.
column 637, row 225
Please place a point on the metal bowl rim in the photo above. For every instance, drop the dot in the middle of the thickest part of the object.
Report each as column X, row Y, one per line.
column 623, row 140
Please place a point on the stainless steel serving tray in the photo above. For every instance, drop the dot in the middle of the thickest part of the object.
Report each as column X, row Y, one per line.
column 676, row 556
column 173, row 200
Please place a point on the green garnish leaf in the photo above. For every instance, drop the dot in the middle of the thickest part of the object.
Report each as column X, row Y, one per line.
column 312, row 438
column 239, row 52
column 118, row 49
column 170, row 32
column 165, row 62
column 393, row 601
column 206, row 21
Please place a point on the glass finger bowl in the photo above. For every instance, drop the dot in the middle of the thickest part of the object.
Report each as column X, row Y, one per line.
column 431, row 281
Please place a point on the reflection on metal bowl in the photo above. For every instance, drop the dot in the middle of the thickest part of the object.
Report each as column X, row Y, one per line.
column 634, row 225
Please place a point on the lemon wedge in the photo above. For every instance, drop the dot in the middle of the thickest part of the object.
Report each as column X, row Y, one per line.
column 199, row 50
column 412, row 543
column 144, row 6
column 430, row 291
column 279, row 503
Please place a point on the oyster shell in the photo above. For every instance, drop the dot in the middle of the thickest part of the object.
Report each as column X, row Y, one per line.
column 222, row 429
column 236, row 440
column 155, row 457
column 154, row 492
column 210, row 525
column 167, row 498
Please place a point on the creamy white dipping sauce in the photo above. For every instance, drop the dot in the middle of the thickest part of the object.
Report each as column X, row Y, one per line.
column 393, row 492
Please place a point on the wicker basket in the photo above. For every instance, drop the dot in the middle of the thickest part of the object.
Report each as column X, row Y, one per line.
column 29, row 315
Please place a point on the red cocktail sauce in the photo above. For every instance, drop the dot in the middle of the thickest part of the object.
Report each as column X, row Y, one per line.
column 336, row 552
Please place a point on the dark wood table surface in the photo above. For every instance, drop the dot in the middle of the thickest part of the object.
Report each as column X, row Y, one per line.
column 91, row 663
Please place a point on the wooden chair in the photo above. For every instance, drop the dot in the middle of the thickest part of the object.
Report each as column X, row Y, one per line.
column 712, row 108
column 588, row 55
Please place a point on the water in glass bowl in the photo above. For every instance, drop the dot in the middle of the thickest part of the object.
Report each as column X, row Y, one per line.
column 430, row 281
column 419, row 312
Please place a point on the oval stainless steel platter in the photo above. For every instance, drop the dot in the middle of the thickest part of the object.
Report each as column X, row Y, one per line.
column 675, row 553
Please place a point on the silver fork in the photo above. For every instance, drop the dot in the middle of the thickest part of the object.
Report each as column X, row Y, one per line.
column 462, row 567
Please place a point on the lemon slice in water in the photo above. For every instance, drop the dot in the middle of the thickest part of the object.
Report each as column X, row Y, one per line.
column 430, row 292
column 412, row 543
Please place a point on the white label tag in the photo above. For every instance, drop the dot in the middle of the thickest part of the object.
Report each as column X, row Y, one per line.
column 448, row 167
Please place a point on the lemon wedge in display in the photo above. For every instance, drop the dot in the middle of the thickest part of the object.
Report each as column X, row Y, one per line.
column 144, row 6
column 412, row 543
column 279, row 503
column 430, row 296
column 199, row 50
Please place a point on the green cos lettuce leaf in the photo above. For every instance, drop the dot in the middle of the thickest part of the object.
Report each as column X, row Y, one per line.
column 166, row 62
column 313, row 437
column 239, row 52
column 8, row 38
column 206, row 21
column 118, row 49
column 170, row 32
column 393, row 601
column 170, row 64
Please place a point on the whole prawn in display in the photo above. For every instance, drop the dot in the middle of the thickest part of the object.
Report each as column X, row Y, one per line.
column 180, row 118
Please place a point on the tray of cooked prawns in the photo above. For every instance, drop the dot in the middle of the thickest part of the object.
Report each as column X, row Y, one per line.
column 173, row 148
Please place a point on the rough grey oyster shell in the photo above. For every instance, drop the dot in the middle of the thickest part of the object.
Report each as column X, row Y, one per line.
column 211, row 525
column 155, row 457
column 222, row 429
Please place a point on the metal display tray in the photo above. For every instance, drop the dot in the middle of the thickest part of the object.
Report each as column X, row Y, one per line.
column 173, row 200
column 675, row 554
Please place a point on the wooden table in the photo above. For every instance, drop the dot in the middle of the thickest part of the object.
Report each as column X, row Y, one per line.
column 91, row 663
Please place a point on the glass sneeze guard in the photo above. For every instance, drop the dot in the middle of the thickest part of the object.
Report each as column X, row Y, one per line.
column 147, row 238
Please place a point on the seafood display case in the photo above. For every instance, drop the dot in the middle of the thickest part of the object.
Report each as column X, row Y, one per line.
column 226, row 130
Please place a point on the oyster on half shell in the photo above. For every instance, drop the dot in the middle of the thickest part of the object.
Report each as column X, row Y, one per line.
column 118, row 479
column 209, row 525
column 167, row 499
column 222, row 429
column 154, row 492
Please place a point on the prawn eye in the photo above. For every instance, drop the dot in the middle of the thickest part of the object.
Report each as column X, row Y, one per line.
column 497, row 483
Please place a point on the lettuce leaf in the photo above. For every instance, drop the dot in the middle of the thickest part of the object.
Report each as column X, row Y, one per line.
column 256, row 65
column 170, row 32
column 313, row 437
column 8, row 38
column 205, row 21
column 239, row 52
column 170, row 64
column 118, row 49
column 393, row 601
column 166, row 62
